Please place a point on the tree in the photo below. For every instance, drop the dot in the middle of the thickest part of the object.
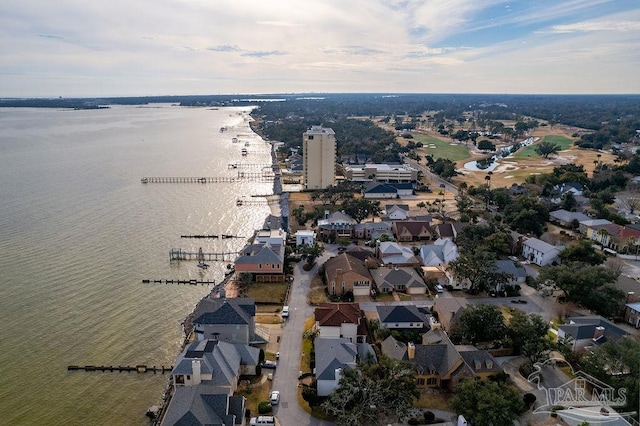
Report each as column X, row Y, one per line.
column 546, row 148
column 487, row 403
column 617, row 364
column 582, row 251
column 373, row 393
column 584, row 284
column 479, row 323
column 486, row 145
column 311, row 253
column 478, row 267
column 528, row 334
column 361, row 208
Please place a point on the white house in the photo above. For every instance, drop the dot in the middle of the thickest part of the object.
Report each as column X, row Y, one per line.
column 333, row 356
column 443, row 250
column 539, row 252
column 305, row 237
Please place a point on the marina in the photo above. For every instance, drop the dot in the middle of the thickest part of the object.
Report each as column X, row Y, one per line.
column 177, row 254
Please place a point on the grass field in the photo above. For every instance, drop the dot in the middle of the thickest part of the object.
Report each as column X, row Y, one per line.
column 530, row 151
column 439, row 148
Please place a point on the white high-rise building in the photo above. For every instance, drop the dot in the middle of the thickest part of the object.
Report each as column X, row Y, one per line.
column 319, row 157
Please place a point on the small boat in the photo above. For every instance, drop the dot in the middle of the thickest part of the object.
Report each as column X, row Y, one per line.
column 244, row 151
column 234, row 140
column 246, row 143
column 201, row 263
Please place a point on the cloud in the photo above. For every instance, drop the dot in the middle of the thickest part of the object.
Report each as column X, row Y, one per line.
column 224, row 48
column 591, row 26
column 353, row 50
column 279, row 24
column 264, row 54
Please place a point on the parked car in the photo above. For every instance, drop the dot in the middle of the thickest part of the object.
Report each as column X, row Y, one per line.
column 285, row 311
column 275, row 397
column 268, row 364
column 439, row 288
column 262, row 421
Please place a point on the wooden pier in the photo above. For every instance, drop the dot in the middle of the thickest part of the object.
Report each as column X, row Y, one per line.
column 245, row 166
column 190, row 282
column 211, row 237
column 264, row 176
column 138, row 368
column 179, row 254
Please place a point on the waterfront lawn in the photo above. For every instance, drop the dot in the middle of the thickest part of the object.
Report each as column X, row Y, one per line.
column 438, row 148
column 268, row 294
column 530, row 151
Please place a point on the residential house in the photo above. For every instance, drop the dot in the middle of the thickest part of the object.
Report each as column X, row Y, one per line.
column 585, row 225
column 566, row 218
column 403, row 188
column 263, row 260
column 396, row 212
column 442, row 251
column 449, row 230
column 440, row 364
column 332, row 356
column 362, row 253
column 391, row 254
column 406, row 280
column 204, row 380
column 345, row 273
column 336, row 320
column 448, row 310
column 407, row 317
column 337, row 224
column 560, row 190
column 539, row 252
column 372, row 230
column 591, row 330
column 413, row 230
column 517, row 274
column 305, row 237
column 229, row 320
column 605, row 235
column 632, row 314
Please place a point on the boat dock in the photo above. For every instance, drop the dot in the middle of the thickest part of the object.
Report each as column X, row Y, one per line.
column 244, row 166
column 191, row 282
column 255, row 202
column 222, row 236
column 138, row 368
column 179, row 254
column 242, row 176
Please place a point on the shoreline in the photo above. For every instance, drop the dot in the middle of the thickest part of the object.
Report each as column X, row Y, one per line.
column 187, row 323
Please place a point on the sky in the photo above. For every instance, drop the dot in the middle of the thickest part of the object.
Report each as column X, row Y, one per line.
column 102, row 48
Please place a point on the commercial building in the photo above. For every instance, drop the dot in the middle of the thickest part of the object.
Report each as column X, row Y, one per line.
column 319, row 157
column 381, row 173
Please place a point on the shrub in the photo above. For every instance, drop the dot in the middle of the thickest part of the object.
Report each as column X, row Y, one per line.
column 264, row 407
column 528, row 399
column 429, row 416
column 413, row 421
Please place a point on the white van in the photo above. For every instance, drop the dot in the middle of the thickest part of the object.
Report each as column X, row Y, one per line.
column 262, row 421
column 285, row 311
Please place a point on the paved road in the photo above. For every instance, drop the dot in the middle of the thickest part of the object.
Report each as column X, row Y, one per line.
column 285, row 378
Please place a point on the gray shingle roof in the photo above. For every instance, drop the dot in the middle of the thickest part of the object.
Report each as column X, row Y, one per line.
column 401, row 313
column 332, row 354
column 394, row 349
column 235, row 310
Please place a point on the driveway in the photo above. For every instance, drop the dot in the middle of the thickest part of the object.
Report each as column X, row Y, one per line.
column 285, row 378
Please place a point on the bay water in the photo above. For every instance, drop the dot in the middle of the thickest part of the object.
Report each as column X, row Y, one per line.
column 78, row 234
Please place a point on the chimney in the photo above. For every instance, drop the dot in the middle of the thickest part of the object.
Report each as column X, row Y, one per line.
column 195, row 369
column 411, row 351
column 598, row 333
column 326, row 214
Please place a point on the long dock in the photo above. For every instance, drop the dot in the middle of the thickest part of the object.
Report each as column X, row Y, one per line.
column 211, row 237
column 179, row 254
column 127, row 368
column 191, row 282
column 264, row 176
column 244, row 166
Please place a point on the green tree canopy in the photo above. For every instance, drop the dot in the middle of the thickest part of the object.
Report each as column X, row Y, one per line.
column 587, row 285
column 546, row 148
column 361, row 208
column 487, row 403
column 582, row 251
column 479, row 323
column 373, row 393
column 478, row 267
column 617, row 364
column 528, row 334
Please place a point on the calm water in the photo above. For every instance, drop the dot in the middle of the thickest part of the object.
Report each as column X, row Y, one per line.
column 78, row 233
